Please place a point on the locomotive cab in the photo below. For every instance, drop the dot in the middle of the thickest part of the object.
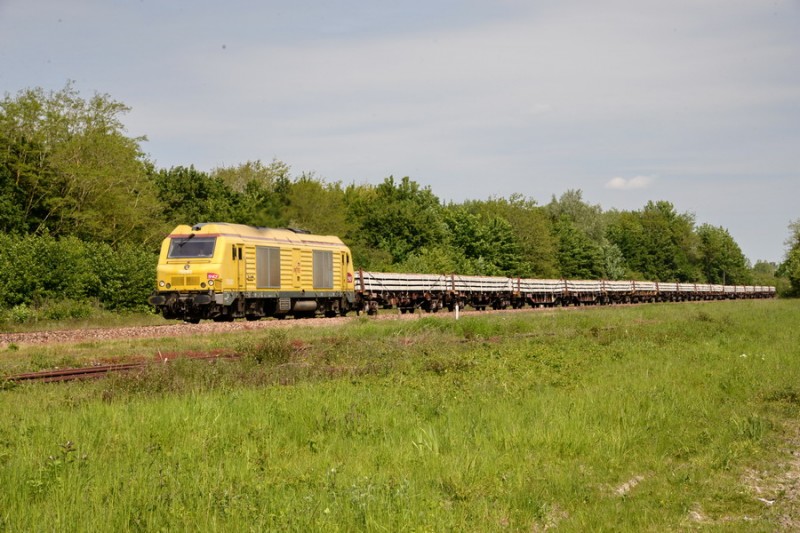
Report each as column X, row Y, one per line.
column 188, row 275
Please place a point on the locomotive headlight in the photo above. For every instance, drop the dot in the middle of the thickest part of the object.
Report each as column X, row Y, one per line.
column 161, row 283
column 168, row 285
column 202, row 285
column 211, row 283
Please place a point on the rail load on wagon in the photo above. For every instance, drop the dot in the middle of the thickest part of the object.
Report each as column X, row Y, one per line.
column 430, row 292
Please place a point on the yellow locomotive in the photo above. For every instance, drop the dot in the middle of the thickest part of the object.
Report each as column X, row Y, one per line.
column 223, row 271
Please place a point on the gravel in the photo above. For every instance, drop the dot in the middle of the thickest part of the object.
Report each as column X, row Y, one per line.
column 168, row 330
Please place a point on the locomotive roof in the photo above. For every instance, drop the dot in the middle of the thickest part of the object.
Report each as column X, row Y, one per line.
column 226, row 229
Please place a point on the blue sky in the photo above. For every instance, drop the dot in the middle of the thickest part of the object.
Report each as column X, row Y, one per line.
column 692, row 101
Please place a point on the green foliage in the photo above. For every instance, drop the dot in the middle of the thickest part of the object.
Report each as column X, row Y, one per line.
column 69, row 169
column 578, row 256
column 125, row 275
column 20, row 314
column 613, row 261
column 722, row 261
column 532, row 230
column 658, row 243
column 261, row 192
column 65, row 309
column 583, row 249
column 790, row 268
column 273, row 349
column 486, row 242
column 588, row 219
column 189, row 196
column 47, row 269
column 317, row 206
column 435, row 260
column 395, row 218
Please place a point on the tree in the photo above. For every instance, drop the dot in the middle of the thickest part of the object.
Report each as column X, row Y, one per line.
column 189, row 196
column 393, row 219
column 790, row 268
column 578, row 256
column 765, row 273
column 317, row 206
column 271, row 177
column 532, row 231
column 584, row 249
column 262, row 191
column 721, row 259
column 487, row 244
column 586, row 218
column 613, row 261
column 657, row 243
column 69, row 169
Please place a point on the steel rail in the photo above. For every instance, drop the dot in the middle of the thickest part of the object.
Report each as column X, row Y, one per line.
column 98, row 371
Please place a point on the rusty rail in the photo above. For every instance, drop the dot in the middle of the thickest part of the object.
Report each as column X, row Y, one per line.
column 98, row 371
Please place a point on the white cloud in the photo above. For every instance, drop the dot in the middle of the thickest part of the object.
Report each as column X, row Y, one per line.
column 636, row 182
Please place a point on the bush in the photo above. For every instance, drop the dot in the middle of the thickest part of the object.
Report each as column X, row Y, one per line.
column 38, row 269
column 20, row 314
column 274, row 349
column 126, row 274
column 66, row 309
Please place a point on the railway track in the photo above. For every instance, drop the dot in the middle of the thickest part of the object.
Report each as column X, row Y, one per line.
column 179, row 329
column 99, row 371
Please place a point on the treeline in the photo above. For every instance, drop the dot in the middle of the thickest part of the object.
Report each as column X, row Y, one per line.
column 83, row 210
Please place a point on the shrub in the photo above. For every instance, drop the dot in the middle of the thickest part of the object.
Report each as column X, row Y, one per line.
column 274, row 349
column 38, row 269
column 66, row 309
column 20, row 314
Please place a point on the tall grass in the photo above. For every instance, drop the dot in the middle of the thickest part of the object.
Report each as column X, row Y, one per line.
column 628, row 419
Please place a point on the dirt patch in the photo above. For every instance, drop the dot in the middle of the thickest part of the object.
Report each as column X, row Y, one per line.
column 778, row 488
column 628, row 486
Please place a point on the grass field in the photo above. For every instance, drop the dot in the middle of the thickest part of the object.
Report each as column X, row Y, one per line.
column 648, row 418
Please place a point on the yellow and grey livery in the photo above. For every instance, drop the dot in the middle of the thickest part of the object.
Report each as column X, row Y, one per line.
column 224, row 271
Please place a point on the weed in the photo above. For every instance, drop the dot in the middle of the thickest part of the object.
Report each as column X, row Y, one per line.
column 20, row 314
column 274, row 349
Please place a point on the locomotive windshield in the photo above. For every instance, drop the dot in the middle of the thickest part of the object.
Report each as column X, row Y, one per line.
column 191, row 247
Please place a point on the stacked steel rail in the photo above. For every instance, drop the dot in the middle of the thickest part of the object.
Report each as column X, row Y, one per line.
column 432, row 292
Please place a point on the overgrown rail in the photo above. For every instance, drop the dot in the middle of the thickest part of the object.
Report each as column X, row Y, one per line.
column 99, row 371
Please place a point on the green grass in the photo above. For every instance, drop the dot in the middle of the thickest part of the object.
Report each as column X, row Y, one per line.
column 620, row 419
column 68, row 314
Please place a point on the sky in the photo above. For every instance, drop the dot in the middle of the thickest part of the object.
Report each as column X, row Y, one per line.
column 696, row 102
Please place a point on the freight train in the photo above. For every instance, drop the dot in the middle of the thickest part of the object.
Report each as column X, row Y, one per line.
column 222, row 271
